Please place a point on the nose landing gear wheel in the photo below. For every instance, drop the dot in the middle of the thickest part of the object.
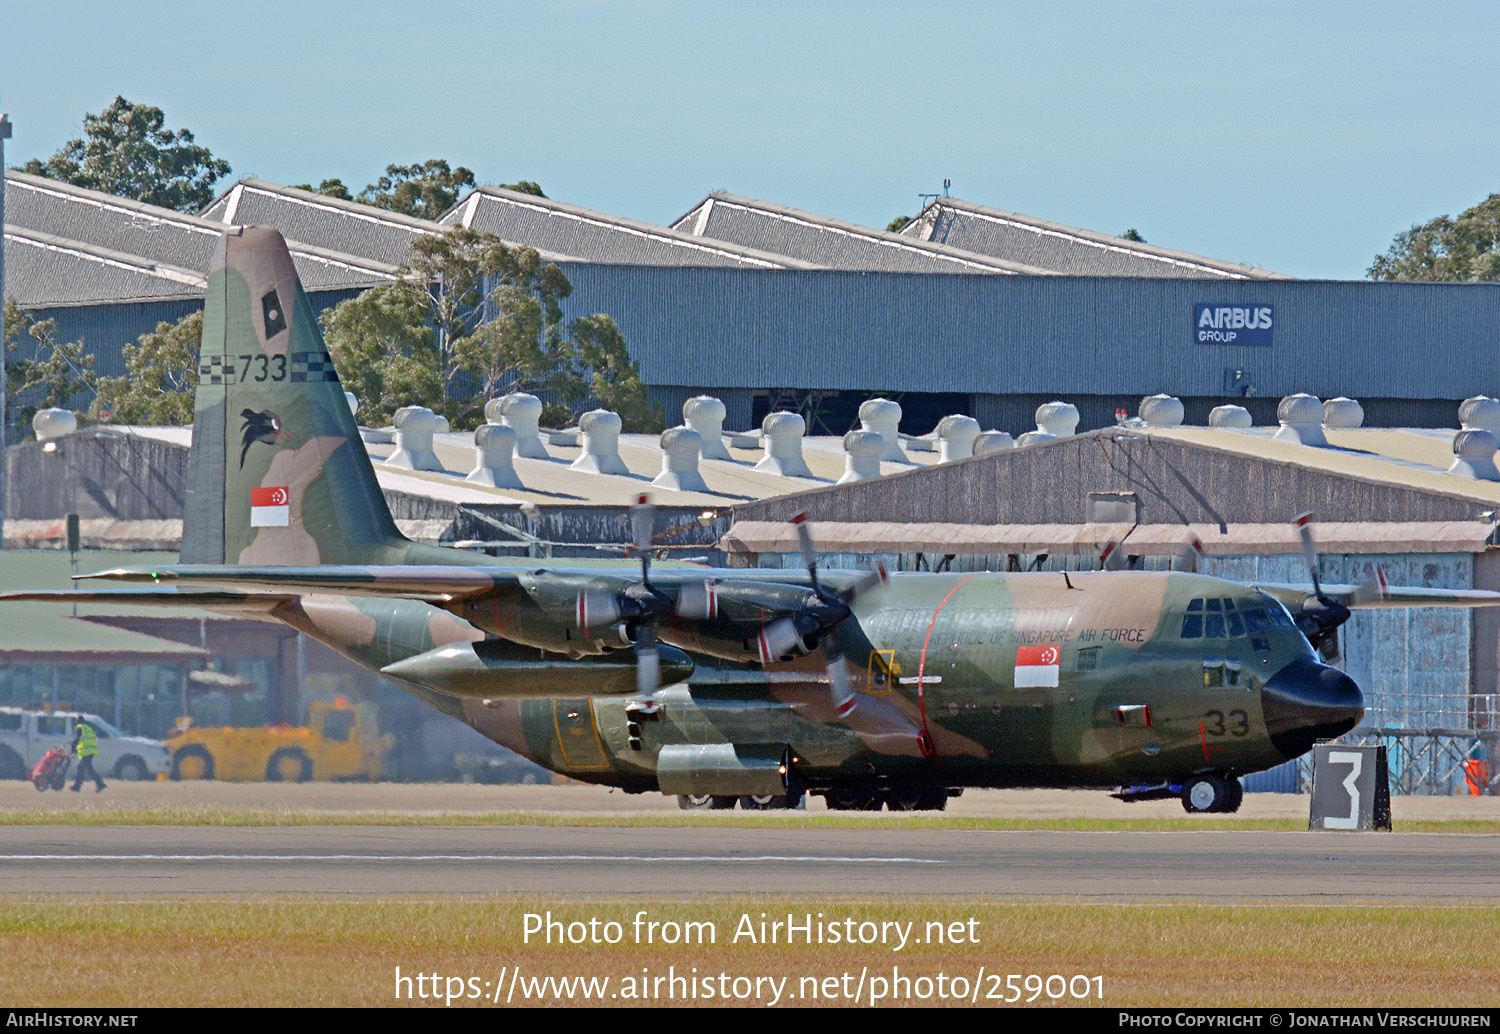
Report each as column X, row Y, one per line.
column 1211, row 794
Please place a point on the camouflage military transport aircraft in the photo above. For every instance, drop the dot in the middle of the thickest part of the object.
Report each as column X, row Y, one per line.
column 725, row 686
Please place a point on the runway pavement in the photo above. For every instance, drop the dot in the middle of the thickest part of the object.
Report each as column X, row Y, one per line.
column 573, row 862
column 577, row 798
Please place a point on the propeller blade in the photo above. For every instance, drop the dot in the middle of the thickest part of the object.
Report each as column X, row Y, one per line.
column 1112, row 558
column 597, row 608
column 698, row 601
column 1309, row 550
column 647, row 661
column 777, row 639
column 878, row 578
column 1374, row 589
column 809, row 555
column 643, row 526
column 1191, row 553
column 844, row 698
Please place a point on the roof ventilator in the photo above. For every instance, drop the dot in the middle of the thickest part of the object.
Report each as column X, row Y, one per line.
column 521, row 413
column 1162, row 411
column 1342, row 413
column 494, row 457
column 679, row 460
column 599, row 434
column 993, row 441
column 884, row 418
column 1474, row 455
column 1230, row 416
column 1301, row 419
column 1480, row 413
column 862, row 452
column 782, row 434
column 53, row 423
column 705, row 414
column 1056, row 420
column 956, row 434
column 414, row 429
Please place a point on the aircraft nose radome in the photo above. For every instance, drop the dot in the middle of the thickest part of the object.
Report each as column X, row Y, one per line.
column 1306, row 702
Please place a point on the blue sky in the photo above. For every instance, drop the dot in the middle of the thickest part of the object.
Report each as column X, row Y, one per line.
column 1298, row 137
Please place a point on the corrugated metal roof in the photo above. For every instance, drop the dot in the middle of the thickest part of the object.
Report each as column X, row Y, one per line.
column 143, row 237
column 1090, row 539
column 831, row 243
column 1060, row 248
column 558, row 227
column 130, row 227
column 41, row 269
column 344, row 226
column 327, row 222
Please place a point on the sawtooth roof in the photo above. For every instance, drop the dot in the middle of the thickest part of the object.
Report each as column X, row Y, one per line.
column 68, row 244
column 348, row 227
column 1060, row 248
column 556, row 226
column 832, row 243
column 41, row 269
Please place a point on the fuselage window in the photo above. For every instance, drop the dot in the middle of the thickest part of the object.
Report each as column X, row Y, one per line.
column 1213, row 624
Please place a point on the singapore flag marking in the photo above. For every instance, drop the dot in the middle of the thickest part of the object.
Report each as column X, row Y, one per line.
column 270, row 508
column 1036, row 666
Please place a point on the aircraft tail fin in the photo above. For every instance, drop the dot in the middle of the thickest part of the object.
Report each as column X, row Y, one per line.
column 278, row 473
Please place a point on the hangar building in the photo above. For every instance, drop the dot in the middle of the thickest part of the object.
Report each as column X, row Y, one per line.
column 969, row 309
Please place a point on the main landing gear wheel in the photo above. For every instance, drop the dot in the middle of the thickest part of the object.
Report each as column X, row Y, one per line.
column 847, row 800
column 916, row 800
column 1205, row 794
column 769, row 802
column 705, row 802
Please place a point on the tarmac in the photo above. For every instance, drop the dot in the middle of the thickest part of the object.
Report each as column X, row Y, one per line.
column 449, row 860
column 582, row 799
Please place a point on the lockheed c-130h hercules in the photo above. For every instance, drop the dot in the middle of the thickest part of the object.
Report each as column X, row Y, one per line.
column 719, row 686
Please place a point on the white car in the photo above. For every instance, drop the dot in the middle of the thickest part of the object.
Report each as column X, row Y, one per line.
column 26, row 735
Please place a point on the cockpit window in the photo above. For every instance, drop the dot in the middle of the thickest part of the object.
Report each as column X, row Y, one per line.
column 1218, row 618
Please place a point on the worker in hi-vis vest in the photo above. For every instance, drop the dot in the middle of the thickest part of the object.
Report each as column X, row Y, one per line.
column 86, row 746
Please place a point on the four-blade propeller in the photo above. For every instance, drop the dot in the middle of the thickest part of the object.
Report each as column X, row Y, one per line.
column 638, row 608
column 1320, row 616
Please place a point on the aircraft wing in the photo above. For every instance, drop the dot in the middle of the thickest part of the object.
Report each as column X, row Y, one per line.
column 429, row 584
column 250, row 604
column 1373, row 596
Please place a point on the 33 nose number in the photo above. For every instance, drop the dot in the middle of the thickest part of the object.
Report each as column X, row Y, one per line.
column 1236, row 723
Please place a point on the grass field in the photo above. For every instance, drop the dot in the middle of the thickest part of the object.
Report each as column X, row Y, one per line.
column 311, row 953
column 212, row 815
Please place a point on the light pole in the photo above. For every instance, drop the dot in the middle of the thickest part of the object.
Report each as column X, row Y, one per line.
column 4, row 136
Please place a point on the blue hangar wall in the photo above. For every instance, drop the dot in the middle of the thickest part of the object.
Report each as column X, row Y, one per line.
column 1005, row 344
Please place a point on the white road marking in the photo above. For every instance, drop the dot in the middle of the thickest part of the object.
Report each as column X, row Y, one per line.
column 814, row 859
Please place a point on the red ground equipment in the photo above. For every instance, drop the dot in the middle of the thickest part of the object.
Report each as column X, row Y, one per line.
column 52, row 770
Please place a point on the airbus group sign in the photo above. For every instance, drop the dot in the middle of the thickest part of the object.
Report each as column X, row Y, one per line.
column 1223, row 324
